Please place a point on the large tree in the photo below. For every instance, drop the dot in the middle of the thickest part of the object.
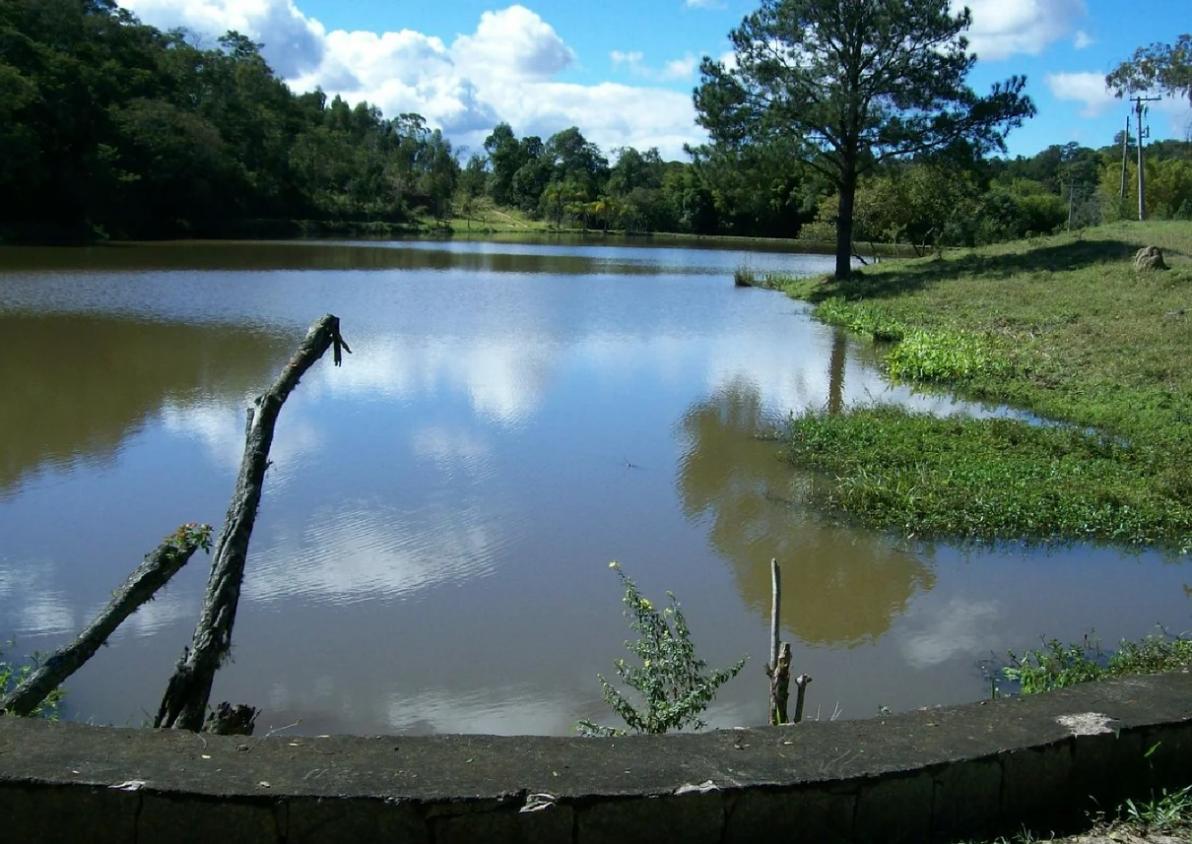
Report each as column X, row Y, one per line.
column 854, row 83
column 1166, row 67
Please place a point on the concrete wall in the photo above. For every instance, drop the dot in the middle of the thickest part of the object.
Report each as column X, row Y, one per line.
column 929, row 775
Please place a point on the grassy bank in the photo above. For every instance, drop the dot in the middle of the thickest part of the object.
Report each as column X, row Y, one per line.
column 1062, row 326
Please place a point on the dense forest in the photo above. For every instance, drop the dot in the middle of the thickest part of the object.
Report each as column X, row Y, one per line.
column 109, row 127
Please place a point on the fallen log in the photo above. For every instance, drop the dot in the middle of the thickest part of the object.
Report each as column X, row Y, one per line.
column 152, row 574
column 184, row 705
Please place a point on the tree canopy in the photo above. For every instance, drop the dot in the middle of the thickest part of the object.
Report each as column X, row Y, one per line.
column 854, row 83
column 1166, row 67
column 111, row 126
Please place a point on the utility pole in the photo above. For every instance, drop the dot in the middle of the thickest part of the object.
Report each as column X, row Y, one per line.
column 1125, row 145
column 1140, row 110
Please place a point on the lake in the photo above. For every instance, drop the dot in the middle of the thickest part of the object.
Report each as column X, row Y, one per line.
column 433, row 543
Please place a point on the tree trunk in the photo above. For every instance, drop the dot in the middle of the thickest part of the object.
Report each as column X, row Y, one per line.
column 844, row 223
column 184, row 705
column 152, row 574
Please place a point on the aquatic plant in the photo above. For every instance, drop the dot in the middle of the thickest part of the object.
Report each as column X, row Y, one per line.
column 1057, row 665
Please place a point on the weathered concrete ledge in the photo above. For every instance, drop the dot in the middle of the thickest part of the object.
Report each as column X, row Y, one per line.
column 928, row 775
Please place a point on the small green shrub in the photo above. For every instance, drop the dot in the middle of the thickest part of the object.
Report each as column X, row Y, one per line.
column 1054, row 666
column 674, row 684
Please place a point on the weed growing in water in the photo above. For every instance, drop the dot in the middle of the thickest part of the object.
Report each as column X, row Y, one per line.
column 673, row 682
column 1057, row 665
column 744, row 276
column 860, row 318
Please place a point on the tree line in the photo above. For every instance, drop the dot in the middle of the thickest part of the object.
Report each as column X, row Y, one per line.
column 112, row 127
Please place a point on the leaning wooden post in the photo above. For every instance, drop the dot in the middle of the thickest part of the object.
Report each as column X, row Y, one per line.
column 779, row 668
column 153, row 573
column 184, row 705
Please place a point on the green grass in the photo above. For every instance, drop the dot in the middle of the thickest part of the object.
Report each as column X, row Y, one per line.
column 928, row 476
column 1061, row 326
column 1168, row 814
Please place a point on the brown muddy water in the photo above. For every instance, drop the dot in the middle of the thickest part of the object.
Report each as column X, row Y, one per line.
column 433, row 546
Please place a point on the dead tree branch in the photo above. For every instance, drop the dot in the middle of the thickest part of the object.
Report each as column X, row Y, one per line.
column 152, row 574
column 184, row 705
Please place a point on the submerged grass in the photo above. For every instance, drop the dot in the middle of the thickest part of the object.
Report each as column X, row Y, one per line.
column 1062, row 326
column 985, row 478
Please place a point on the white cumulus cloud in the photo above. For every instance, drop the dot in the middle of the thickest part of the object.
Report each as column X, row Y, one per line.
column 513, row 42
column 1002, row 28
column 295, row 43
column 507, row 69
column 1086, row 88
column 675, row 69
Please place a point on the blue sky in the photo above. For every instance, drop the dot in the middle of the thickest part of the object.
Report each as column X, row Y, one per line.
column 623, row 70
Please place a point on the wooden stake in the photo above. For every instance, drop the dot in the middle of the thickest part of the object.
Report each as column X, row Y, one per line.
column 775, row 606
column 184, row 705
column 780, row 686
column 153, row 573
column 779, row 668
column 801, row 683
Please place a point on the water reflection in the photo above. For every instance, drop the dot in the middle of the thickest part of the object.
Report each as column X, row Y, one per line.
column 396, row 255
column 503, row 377
column 836, row 373
column 81, row 384
column 372, row 551
column 841, row 587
